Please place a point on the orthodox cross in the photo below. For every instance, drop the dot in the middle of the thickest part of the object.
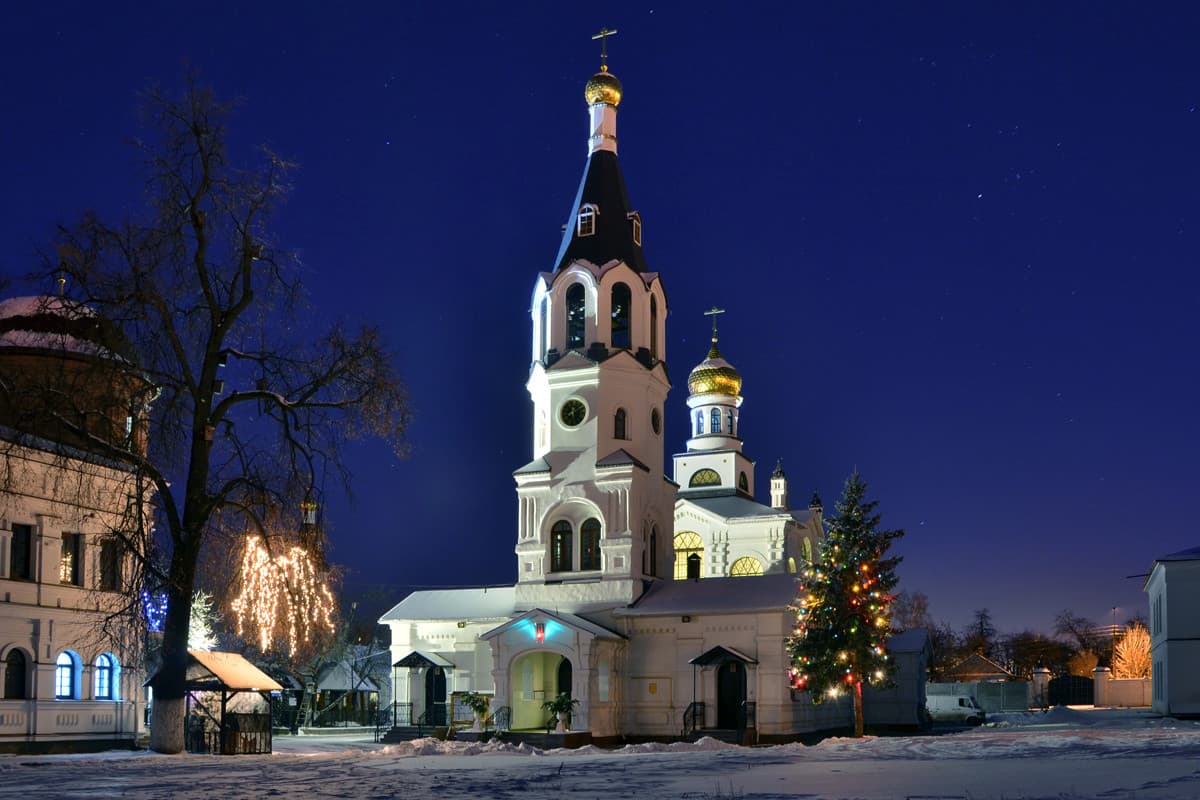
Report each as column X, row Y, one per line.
column 712, row 312
column 603, row 37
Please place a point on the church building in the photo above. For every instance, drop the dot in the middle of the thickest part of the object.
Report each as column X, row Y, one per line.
column 660, row 603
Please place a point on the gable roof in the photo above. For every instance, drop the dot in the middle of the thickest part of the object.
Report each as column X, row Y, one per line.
column 913, row 640
column 720, row 655
column 977, row 664
column 569, row 620
column 740, row 595
column 1191, row 554
column 621, row 458
column 212, row 670
column 342, row 677
column 417, row 659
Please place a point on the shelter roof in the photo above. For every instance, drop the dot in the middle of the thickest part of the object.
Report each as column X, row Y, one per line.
column 720, row 655
column 210, row 669
column 419, row 660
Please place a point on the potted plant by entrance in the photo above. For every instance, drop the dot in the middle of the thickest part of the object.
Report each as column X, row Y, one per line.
column 561, row 707
column 479, row 705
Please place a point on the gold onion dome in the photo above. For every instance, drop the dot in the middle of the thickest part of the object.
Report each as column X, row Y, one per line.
column 603, row 88
column 715, row 375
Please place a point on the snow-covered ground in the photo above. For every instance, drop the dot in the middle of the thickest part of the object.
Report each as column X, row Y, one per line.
column 1064, row 753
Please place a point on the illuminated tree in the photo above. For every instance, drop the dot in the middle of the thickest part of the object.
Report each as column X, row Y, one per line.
column 1131, row 658
column 201, row 635
column 252, row 401
column 842, row 612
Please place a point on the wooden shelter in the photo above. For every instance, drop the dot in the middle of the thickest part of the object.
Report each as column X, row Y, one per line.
column 228, row 704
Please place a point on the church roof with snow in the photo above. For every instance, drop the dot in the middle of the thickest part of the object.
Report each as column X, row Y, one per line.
column 715, row 596
column 730, row 505
column 485, row 602
column 1191, row 554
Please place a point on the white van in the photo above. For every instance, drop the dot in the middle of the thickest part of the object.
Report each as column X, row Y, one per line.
column 954, row 708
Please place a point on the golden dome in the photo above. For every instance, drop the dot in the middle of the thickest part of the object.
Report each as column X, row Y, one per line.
column 603, row 88
column 715, row 375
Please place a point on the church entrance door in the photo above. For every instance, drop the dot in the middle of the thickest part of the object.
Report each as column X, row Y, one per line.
column 731, row 693
column 435, row 696
column 564, row 677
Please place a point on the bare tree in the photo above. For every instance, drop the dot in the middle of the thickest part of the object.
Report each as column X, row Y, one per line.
column 249, row 418
column 1080, row 631
column 910, row 611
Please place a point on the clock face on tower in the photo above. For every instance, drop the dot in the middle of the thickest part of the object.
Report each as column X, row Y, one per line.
column 572, row 412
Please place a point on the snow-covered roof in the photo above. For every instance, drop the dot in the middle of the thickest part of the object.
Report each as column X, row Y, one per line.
column 212, row 669
column 732, row 506
column 45, row 322
column 483, row 603
column 715, row 596
column 910, row 641
column 620, row 458
column 1191, row 554
column 533, row 467
column 341, row 677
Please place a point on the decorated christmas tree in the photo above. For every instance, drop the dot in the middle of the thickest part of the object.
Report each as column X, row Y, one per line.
column 843, row 607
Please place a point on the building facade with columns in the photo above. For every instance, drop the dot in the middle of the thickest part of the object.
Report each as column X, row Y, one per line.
column 659, row 603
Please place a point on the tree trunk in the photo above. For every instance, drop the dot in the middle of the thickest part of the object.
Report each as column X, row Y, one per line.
column 858, row 717
column 167, row 719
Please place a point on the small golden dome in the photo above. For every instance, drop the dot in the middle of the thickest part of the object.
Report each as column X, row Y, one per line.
column 715, row 375
column 603, row 88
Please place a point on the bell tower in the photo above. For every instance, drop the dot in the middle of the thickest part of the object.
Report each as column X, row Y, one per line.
column 594, row 506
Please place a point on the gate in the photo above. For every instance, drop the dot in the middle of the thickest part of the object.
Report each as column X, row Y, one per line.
column 1071, row 690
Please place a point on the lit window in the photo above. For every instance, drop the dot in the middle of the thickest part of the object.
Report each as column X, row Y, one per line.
column 589, row 545
column 619, row 424
column 64, row 677
column 743, row 482
column 745, row 566
column 621, row 300
column 705, row 477
column 14, row 676
column 586, row 225
column 686, row 544
column 105, row 672
column 808, row 553
column 560, row 547
column 576, row 310
column 70, row 564
column 714, row 421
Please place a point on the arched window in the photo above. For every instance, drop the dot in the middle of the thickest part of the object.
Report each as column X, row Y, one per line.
column 560, row 546
column 714, row 421
column 64, row 677
column 621, row 300
column 587, row 220
column 729, row 422
column 619, row 424
column 687, row 543
column 808, row 554
column 791, row 565
column 654, row 551
column 15, row 679
column 105, row 674
column 576, row 311
column 699, row 422
column 653, row 328
column 745, row 566
column 743, row 482
column 589, row 544
column 705, row 477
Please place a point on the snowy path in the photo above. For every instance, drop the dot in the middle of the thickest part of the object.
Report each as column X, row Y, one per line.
column 1061, row 755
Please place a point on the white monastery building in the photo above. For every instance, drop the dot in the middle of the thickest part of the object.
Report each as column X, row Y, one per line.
column 69, row 650
column 657, row 601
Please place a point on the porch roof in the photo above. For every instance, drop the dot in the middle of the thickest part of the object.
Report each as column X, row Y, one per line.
column 719, row 655
column 418, row 660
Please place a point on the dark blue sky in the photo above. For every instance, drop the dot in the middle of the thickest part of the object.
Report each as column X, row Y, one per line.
column 957, row 244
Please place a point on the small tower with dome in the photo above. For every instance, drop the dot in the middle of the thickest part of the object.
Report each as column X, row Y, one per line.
column 714, row 458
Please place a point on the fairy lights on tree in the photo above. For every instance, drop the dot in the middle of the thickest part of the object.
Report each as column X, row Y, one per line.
column 284, row 598
column 843, row 606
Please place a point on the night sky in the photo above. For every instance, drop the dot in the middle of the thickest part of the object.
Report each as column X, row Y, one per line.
column 957, row 244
